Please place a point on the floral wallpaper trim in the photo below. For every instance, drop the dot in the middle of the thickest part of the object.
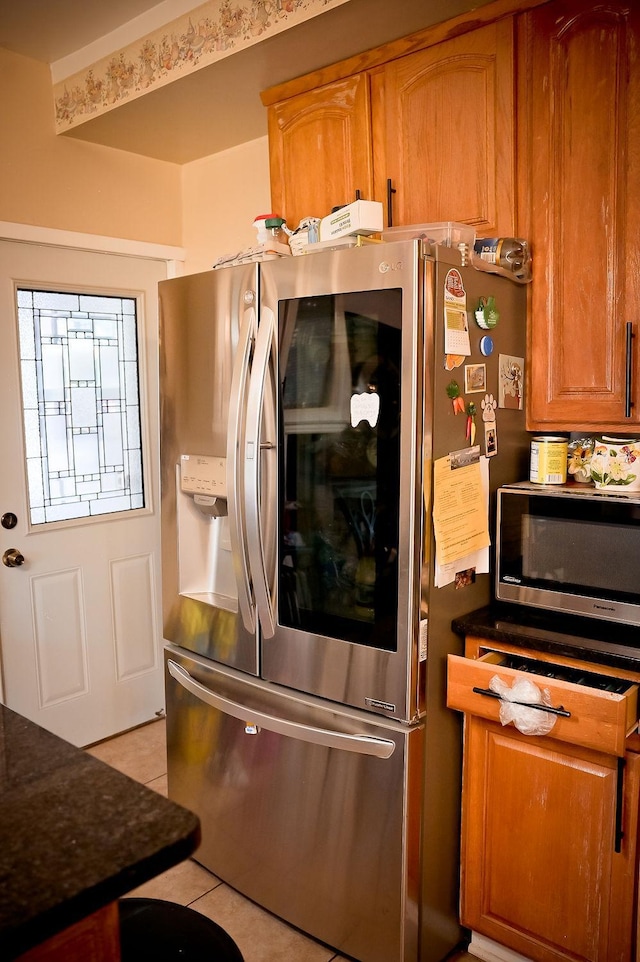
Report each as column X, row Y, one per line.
column 210, row 32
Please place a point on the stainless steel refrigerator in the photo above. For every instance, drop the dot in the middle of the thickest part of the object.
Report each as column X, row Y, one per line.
column 303, row 402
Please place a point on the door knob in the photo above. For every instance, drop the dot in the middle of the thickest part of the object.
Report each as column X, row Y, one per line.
column 12, row 558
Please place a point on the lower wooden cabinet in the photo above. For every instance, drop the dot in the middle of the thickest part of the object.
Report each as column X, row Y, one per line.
column 540, row 870
column 549, row 827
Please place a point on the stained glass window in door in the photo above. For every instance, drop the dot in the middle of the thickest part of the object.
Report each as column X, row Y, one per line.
column 81, row 402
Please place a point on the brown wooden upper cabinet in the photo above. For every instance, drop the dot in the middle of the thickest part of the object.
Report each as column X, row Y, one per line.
column 443, row 132
column 579, row 165
column 320, row 149
column 437, row 125
column 445, row 117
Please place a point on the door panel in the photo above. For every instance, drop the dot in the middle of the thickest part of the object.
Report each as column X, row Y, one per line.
column 290, row 823
column 329, row 127
column 201, row 319
column 456, row 99
column 349, row 491
column 79, row 619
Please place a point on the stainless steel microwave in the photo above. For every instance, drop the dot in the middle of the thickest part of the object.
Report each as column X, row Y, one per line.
column 572, row 549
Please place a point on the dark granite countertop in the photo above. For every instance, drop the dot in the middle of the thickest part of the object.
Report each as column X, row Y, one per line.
column 75, row 834
column 600, row 642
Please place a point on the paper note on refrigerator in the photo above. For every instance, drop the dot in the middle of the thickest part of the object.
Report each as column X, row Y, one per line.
column 477, row 561
column 460, row 510
column 456, row 326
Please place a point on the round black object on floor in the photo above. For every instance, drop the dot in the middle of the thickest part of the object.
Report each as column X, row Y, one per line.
column 166, row 932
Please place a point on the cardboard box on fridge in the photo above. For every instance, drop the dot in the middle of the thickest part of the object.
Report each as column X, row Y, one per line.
column 361, row 217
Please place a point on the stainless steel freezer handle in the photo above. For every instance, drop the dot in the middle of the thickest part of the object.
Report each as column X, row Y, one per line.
column 260, row 466
column 235, row 479
column 361, row 744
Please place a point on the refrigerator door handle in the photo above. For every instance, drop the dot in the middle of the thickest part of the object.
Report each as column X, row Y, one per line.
column 360, row 744
column 260, row 472
column 235, row 481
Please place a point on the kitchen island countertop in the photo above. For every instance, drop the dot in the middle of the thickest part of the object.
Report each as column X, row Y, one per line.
column 589, row 639
column 75, row 834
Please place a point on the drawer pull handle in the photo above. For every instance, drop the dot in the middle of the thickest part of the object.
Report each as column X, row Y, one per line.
column 554, row 711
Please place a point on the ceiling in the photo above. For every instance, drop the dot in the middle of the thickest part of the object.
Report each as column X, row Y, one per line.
column 49, row 30
column 216, row 107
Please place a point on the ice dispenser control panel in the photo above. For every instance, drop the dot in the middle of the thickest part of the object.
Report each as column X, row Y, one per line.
column 203, row 476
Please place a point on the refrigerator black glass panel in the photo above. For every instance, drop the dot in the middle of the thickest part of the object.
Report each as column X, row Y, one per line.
column 339, row 478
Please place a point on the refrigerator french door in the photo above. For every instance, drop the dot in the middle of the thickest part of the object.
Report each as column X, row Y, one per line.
column 349, row 520
column 201, row 316
column 307, row 808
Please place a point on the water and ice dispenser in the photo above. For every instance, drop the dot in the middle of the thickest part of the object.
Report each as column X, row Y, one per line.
column 205, row 567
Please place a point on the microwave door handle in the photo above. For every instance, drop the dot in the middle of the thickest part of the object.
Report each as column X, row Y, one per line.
column 260, row 468
column 361, row 744
column 235, row 479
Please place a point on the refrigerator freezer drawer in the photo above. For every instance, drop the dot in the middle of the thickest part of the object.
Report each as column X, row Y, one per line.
column 301, row 811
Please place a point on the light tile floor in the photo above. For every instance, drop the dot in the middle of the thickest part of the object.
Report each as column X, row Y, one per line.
column 260, row 936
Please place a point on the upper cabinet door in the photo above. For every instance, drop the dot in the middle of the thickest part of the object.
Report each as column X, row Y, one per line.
column 579, row 110
column 320, row 149
column 443, row 125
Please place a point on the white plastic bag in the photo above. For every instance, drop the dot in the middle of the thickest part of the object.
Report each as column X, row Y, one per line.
column 529, row 721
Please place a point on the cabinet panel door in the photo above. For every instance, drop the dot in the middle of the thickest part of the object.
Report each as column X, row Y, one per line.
column 320, row 149
column 443, row 127
column 539, row 869
column 581, row 159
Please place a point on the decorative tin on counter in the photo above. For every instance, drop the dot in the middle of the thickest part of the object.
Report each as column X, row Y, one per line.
column 579, row 454
column 616, row 463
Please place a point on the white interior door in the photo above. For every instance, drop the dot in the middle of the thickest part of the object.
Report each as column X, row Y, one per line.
column 80, row 627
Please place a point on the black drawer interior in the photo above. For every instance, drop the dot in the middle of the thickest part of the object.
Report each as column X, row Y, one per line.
column 575, row 676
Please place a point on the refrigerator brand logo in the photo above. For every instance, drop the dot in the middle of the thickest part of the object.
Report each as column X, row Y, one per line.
column 384, row 267
column 376, row 703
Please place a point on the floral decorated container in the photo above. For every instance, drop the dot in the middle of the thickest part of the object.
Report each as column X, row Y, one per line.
column 580, row 453
column 615, row 463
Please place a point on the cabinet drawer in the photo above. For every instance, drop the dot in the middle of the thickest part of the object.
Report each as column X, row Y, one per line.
column 599, row 718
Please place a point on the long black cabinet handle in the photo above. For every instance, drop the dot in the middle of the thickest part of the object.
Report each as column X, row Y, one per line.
column 628, row 403
column 390, row 192
column 619, row 833
column 554, row 711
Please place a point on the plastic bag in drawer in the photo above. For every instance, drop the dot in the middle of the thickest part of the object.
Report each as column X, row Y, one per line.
column 515, row 705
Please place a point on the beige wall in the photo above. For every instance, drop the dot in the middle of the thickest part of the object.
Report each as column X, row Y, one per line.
column 222, row 195
column 49, row 180
column 59, row 182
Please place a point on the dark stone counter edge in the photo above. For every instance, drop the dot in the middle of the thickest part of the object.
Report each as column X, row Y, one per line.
column 149, row 834
column 58, row 919
column 600, row 642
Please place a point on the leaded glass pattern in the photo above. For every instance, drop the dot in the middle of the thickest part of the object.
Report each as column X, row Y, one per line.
column 81, row 402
